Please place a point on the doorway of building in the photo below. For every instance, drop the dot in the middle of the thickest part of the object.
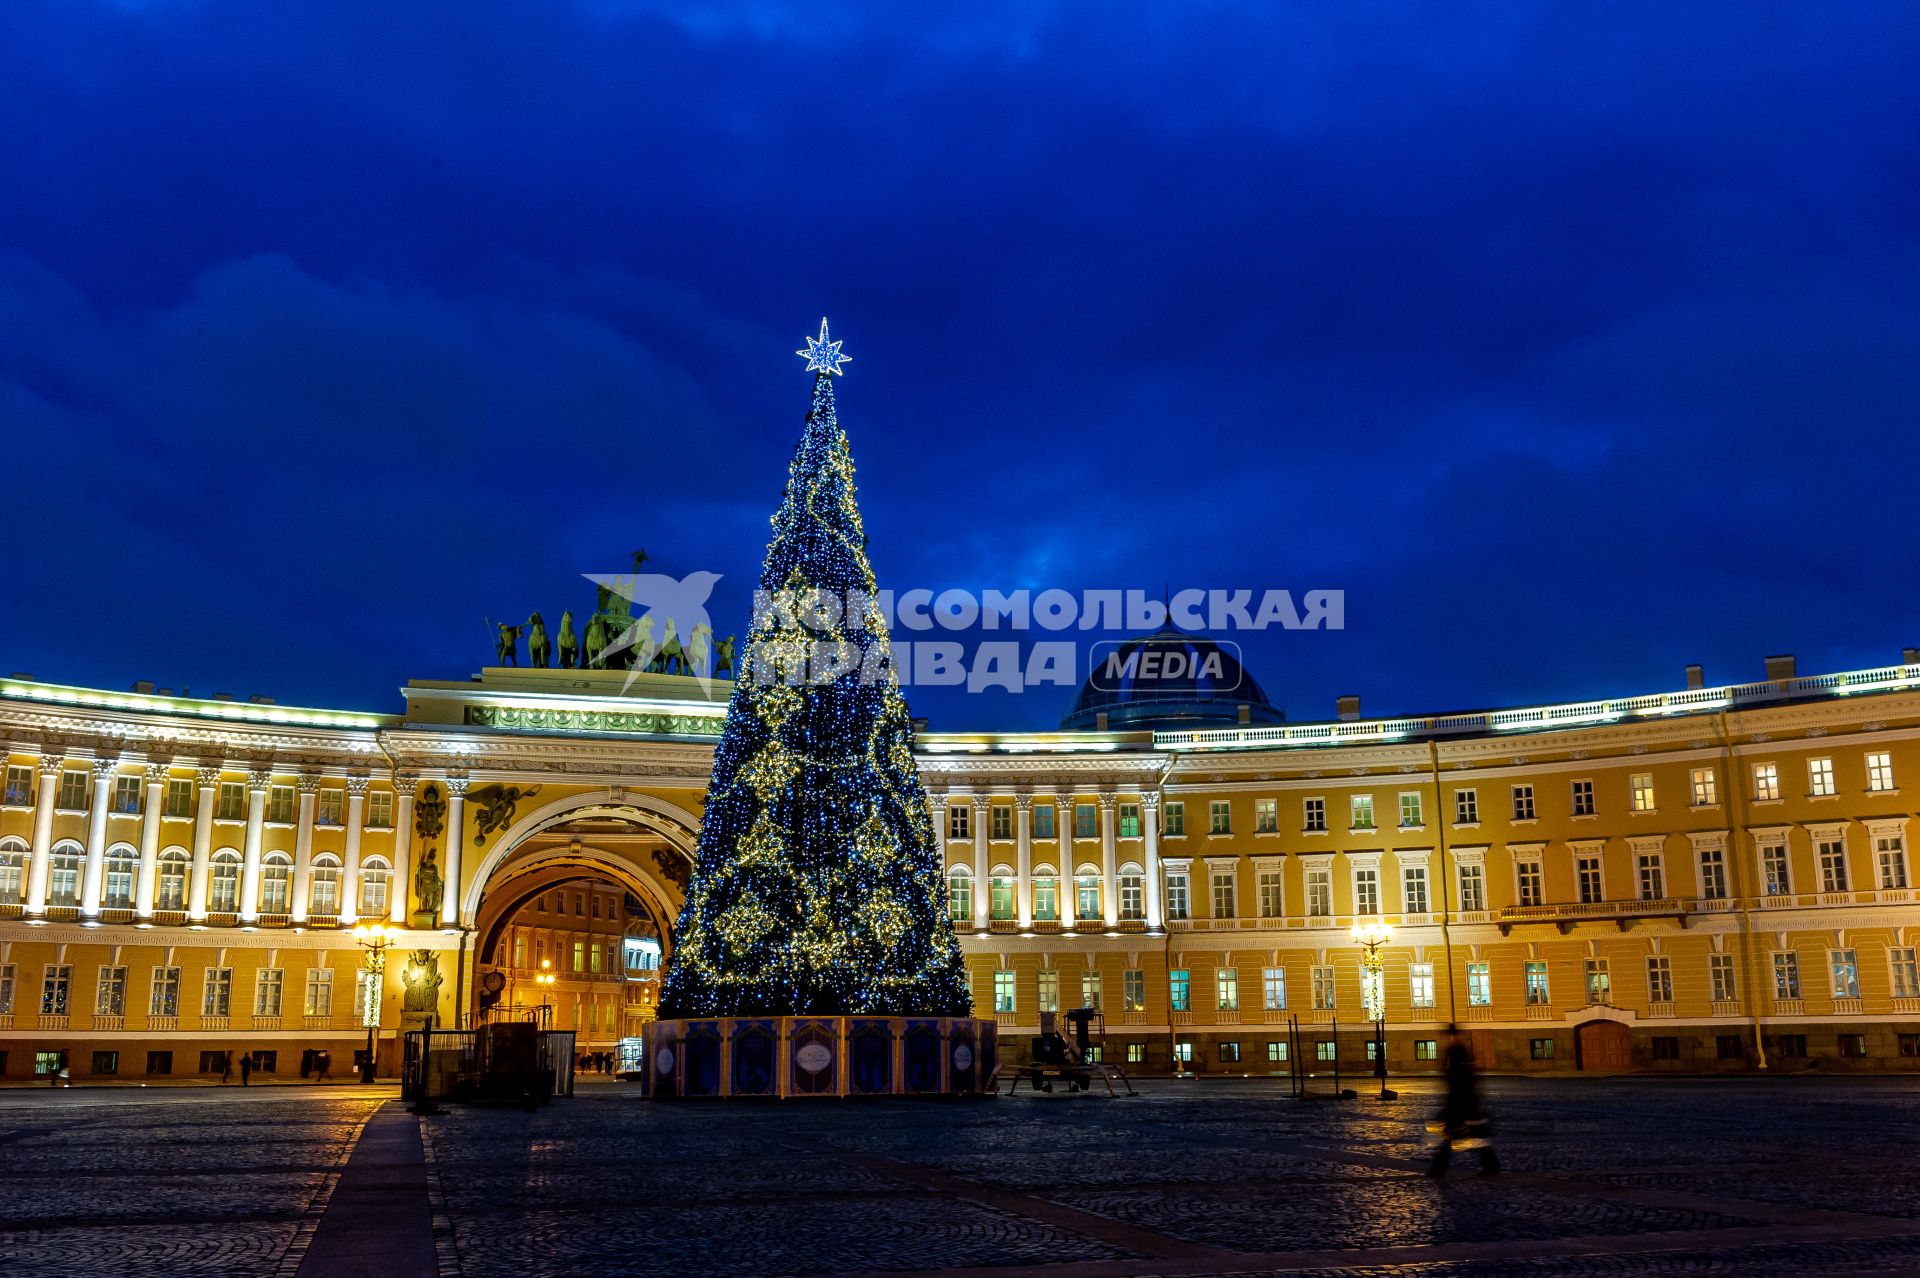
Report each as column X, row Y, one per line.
column 1603, row 1047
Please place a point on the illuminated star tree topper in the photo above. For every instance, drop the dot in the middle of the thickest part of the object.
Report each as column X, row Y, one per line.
column 822, row 354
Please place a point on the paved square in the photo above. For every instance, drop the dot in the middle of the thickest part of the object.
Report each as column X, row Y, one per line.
column 1788, row 1176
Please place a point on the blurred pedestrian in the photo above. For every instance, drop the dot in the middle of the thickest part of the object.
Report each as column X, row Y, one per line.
column 246, row 1069
column 226, row 1068
column 1463, row 1123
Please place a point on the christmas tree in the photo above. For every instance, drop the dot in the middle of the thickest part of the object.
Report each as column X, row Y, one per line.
column 818, row 887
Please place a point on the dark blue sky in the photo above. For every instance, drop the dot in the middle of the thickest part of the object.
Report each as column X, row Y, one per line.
column 1575, row 342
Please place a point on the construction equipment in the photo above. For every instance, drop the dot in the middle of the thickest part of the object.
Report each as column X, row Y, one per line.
column 1077, row 1062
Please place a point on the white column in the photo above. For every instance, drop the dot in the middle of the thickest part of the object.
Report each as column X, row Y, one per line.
column 303, row 849
column 209, row 780
column 95, row 874
column 1023, row 859
column 937, row 812
column 456, row 835
column 1109, row 863
column 258, row 782
column 41, row 865
column 1063, row 830
column 399, row 897
column 982, row 896
column 1150, row 815
column 156, row 773
column 350, row 880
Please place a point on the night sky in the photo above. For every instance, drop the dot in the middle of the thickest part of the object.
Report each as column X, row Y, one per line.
column 1573, row 342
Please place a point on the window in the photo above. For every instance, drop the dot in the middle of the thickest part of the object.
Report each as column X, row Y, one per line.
column 1536, row 975
column 165, row 997
column 1705, row 788
column 1523, row 803
column 179, row 798
column 1043, row 820
column 1426, row 1049
column 1219, row 817
column 119, row 883
column 1791, row 1045
column 1222, row 880
column 1599, row 983
column 1906, row 972
column 1411, row 817
column 110, row 997
column 1473, row 888
column 1643, row 792
column 1273, row 989
column 1174, row 825
column 1527, row 881
column 1277, row 1050
column 171, row 885
column 1879, row 771
column 1087, row 894
column 1466, row 807
column 1090, row 989
column 1226, row 984
column 1583, row 798
column 1136, row 1053
column 1729, row 1047
column 1846, row 974
column 1786, row 975
column 1666, row 1047
column 19, row 787
column 1323, row 991
column 1720, row 977
column 6, row 989
column 106, row 1062
column 1479, row 985
column 1910, row 1044
column 1713, row 874
column 1133, row 893
column 1129, row 820
column 1002, row 990
column 1659, row 979
column 1085, row 824
column 233, row 802
column 380, row 810
column 1890, row 859
column 1820, row 778
column 1177, row 907
column 1133, row 989
column 1366, row 890
column 1000, row 897
column 276, row 882
column 159, row 1062
column 1587, row 875
column 1362, row 812
column 1541, row 1049
column 1266, row 816
column 959, row 895
column 1183, row 1053
column 1046, row 896
column 213, row 1062
column 959, row 820
column 1853, row 1046
column 374, row 878
column 1766, row 782
column 13, row 871
column 1320, row 894
column 217, row 999
column 1047, row 997
column 1413, row 887
column 45, row 1063
column 319, row 1000
column 1653, row 879
column 1229, row 1052
column 579, row 956
column 73, row 791
column 1179, row 989
column 1315, row 816
column 1272, row 906
column 268, row 984
column 1420, row 984
column 126, row 795
column 63, row 876
column 280, row 805
column 1773, row 869
column 1326, row 1050
column 1832, row 855
column 1000, row 818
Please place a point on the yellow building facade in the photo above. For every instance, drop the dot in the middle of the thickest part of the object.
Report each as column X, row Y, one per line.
column 1707, row 879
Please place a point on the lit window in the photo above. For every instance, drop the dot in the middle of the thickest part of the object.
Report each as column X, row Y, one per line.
column 1047, row 997
column 1273, row 989
column 1133, row 988
column 110, row 996
column 1643, row 792
column 1323, row 989
column 1786, row 976
column 1479, row 985
column 1129, row 820
column 1411, row 816
column 959, row 895
column 1766, row 782
column 1087, row 894
column 1362, row 805
column 1090, row 989
column 1276, row 1051
column 1266, row 816
column 1179, row 989
column 1541, row 1049
column 1846, row 974
column 1536, row 977
column 126, row 795
column 19, row 792
column 1820, row 777
column 1879, row 771
column 1227, row 988
column 1705, row 790
column 1599, row 983
column 1420, row 984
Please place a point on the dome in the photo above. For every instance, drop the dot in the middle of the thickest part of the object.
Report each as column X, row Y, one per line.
column 1168, row 679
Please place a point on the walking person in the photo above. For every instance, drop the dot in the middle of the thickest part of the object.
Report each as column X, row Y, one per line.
column 226, row 1068
column 246, row 1069
column 1462, row 1122
column 322, row 1067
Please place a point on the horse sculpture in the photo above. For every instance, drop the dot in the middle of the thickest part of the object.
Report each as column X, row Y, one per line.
column 596, row 640
column 538, row 649
column 569, row 642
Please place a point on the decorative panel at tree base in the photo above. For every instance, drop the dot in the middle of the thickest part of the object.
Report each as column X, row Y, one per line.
column 820, row 1056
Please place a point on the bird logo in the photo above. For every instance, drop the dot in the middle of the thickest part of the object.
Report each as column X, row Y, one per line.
column 670, row 622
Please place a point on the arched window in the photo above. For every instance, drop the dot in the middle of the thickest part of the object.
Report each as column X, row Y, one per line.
column 223, row 889
column 1086, row 893
column 1000, row 893
column 374, row 876
column 326, row 884
column 960, row 894
column 13, row 871
column 1133, row 887
column 276, row 883
column 121, row 860
column 63, row 883
column 171, row 884
column 1046, row 894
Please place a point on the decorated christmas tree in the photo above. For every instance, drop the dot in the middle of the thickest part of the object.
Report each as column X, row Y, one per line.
column 818, row 887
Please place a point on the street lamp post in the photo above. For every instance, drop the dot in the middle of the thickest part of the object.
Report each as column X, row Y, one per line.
column 544, row 978
column 374, row 939
column 1372, row 937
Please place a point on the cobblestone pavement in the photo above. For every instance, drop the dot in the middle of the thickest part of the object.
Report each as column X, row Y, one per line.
column 1214, row 1178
